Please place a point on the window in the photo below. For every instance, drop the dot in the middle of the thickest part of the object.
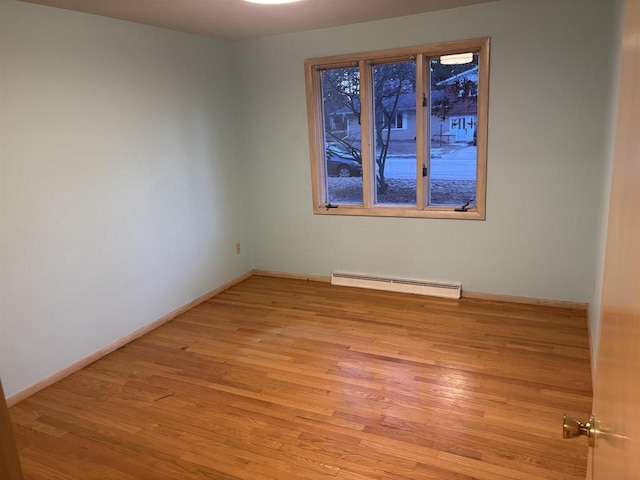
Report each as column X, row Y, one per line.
column 401, row 132
column 337, row 122
column 399, row 122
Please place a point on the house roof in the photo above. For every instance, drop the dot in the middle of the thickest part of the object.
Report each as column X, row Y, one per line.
column 463, row 107
column 457, row 105
column 471, row 74
column 407, row 101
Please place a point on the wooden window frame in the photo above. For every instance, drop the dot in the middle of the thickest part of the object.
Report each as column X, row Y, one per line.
column 421, row 54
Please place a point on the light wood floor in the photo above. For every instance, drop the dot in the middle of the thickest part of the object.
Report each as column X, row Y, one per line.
column 280, row 379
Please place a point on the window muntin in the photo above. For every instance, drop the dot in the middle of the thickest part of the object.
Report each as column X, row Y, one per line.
column 413, row 179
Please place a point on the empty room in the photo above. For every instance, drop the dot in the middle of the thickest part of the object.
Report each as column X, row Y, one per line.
column 319, row 239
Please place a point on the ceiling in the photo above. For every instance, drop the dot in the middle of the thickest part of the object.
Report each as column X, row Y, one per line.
column 239, row 20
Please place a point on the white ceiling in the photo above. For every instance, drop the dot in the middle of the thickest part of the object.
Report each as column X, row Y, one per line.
column 238, row 19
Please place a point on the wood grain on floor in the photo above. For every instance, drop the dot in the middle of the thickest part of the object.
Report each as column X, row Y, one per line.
column 278, row 379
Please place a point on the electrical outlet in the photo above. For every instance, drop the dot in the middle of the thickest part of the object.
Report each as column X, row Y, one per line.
column 238, row 251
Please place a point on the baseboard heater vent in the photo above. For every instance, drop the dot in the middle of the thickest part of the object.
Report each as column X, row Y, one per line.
column 420, row 287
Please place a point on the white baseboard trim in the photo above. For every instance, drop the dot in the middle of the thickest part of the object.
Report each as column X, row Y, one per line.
column 496, row 297
column 294, row 276
column 89, row 359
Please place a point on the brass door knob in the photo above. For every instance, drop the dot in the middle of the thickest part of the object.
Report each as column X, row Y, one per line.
column 572, row 427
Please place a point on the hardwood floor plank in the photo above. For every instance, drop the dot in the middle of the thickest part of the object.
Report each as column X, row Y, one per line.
column 286, row 379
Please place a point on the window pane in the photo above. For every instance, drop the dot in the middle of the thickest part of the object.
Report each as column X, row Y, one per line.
column 394, row 94
column 454, row 118
column 342, row 135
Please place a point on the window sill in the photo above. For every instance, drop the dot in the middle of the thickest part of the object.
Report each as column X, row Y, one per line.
column 402, row 211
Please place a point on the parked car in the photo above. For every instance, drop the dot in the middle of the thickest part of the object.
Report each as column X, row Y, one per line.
column 342, row 167
column 341, row 162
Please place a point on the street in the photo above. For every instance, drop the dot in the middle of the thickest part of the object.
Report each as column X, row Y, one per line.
column 457, row 165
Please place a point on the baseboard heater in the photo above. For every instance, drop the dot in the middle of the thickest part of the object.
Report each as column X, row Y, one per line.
column 420, row 287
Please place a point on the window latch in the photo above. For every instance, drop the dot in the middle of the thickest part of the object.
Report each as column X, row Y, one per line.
column 425, row 171
column 328, row 206
column 464, row 207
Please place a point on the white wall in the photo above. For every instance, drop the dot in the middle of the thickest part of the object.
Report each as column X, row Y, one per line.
column 119, row 198
column 550, row 76
column 132, row 159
